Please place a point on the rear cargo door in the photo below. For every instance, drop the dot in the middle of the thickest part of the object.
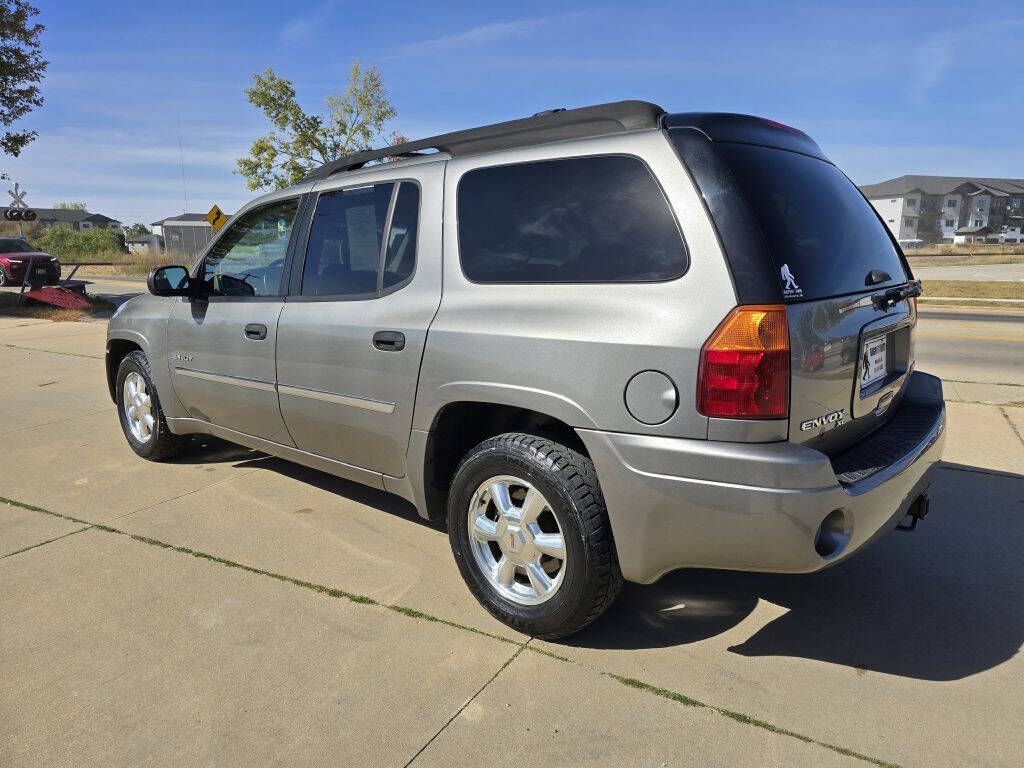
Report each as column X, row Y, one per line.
column 851, row 337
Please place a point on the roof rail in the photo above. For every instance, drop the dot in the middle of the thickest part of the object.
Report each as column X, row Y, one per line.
column 551, row 125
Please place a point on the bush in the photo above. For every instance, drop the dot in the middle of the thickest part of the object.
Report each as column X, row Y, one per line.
column 68, row 245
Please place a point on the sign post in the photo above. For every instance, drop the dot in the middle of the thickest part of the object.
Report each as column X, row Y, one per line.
column 19, row 210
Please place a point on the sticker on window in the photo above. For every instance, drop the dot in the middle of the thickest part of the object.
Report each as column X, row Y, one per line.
column 790, row 289
column 363, row 245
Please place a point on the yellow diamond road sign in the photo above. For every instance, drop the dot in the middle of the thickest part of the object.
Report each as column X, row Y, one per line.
column 216, row 217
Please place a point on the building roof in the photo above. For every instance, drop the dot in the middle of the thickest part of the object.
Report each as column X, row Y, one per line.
column 974, row 230
column 67, row 215
column 189, row 218
column 941, row 185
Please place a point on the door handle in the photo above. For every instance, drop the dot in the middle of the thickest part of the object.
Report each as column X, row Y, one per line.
column 256, row 331
column 389, row 341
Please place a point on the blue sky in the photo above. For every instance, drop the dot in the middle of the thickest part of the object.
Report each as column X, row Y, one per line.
column 885, row 89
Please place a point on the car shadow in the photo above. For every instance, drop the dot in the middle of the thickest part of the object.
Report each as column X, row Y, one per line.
column 941, row 603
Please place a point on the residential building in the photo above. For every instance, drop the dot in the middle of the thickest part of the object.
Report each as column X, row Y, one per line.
column 77, row 220
column 184, row 235
column 145, row 244
column 947, row 209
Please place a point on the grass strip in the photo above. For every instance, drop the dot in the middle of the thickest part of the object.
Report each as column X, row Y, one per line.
column 974, row 289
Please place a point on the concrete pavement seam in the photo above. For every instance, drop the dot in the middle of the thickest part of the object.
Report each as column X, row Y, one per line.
column 57, row 421
column 44, row 543
column 416, row 614
column 465, row 704
column 1002, row 410
column 54, row 352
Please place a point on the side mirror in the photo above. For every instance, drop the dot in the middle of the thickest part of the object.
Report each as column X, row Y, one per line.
column 169, row 281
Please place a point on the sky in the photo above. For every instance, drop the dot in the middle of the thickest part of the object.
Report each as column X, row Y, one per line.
column 145, row 102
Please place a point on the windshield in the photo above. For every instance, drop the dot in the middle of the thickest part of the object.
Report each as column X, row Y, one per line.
column 823, row 236
column 15, row 245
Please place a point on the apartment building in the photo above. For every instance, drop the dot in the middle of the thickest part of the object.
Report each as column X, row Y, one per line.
column 949, row 209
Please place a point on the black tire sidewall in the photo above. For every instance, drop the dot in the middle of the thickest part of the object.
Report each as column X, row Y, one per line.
column 128, row 365
column 494, row 460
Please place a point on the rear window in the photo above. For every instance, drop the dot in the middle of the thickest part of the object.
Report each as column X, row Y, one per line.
column 578, row 220
column 823, row 236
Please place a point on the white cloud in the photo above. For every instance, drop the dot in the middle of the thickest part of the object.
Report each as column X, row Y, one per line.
column 486, row 33
column 302, row 26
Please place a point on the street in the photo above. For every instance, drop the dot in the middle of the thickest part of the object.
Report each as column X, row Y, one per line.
column 233, row 609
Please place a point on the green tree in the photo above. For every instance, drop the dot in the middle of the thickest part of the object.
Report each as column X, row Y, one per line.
column 67, row 243
column 136, row 230
column 71, row 206
column 21, row 70
column 302, row 141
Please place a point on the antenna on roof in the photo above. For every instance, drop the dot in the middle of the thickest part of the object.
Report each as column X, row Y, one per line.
column 181, row 153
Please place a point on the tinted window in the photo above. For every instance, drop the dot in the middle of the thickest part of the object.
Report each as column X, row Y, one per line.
column 343, row 254
column 249, row 258
column 400, row 259
column 578, row 220
column 15, row 245
column 820, row 230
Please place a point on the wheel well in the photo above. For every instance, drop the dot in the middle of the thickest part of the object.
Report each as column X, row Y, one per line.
column 458, row 427
column 117, row 350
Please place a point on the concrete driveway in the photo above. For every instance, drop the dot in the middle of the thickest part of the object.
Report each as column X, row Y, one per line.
column 232, row 609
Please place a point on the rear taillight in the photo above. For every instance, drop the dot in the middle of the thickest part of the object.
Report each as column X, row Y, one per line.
column 744, row 366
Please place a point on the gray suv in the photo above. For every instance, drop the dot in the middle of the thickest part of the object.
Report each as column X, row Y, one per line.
column 604, row 343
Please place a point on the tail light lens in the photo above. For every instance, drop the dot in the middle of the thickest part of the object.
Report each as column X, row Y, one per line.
column 744, row 366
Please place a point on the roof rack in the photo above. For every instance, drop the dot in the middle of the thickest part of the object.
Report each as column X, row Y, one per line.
column 551, row 125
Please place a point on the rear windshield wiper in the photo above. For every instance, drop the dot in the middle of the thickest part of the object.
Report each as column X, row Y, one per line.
column 894, row 296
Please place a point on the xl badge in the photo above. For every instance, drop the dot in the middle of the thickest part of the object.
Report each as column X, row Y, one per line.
column 836, row 417
column 790, row 289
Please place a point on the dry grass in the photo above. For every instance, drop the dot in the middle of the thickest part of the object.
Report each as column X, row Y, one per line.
column 127, row 264
column 974, row 289
column 9, row 307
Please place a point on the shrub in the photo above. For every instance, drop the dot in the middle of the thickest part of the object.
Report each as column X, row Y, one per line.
column 67, row 244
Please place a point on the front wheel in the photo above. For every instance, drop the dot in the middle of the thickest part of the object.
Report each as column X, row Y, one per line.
column 142, row 419
column 530, row 534
column 4, row 279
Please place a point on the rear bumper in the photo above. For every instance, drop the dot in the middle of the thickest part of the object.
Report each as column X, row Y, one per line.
column 677, row 503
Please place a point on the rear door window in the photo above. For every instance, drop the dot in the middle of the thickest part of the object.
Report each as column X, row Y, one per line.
column 823, row 236
column 578, row 220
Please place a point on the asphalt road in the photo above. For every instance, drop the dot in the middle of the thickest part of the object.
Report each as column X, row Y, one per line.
column 978, row 272
column 972, row 345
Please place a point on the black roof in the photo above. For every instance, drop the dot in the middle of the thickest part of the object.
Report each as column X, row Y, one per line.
column 544, row 127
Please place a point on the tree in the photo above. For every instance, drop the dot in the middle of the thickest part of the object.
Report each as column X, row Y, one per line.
column 301, row 141
column 21, row 69
column 136, row 230
column 71, row 206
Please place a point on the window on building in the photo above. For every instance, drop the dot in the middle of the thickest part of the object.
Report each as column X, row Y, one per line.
column 977, row 222
column 950, row 222
column 576, row 220
column 893, row 200
column 908, row 222
column 911, row 202
column 951, row 203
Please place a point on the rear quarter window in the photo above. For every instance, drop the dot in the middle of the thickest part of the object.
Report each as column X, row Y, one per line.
column 574, row 220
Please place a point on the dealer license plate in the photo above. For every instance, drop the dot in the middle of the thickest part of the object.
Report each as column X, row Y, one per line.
column 873, row 361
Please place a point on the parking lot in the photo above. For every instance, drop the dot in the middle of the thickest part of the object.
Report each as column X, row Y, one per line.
column 232, row 609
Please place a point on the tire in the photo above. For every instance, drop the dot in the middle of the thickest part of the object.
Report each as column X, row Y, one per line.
column 584, row 583
column 161, row 444
column 4, row 279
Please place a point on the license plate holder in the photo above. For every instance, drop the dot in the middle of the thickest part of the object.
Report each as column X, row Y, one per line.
column 874, row 361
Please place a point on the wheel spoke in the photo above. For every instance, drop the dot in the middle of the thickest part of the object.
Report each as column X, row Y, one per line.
column 550, row 544
column 144, row 400
column 499, row 495
column 538, row 578
column 484, row 529
column 129, row 386
column 533, row 505
column 505, row 572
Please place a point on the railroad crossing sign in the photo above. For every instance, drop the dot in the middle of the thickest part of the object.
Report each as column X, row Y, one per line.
column 217, row 218
column 19, row 210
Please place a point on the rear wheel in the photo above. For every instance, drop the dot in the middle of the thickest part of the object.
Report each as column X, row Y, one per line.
column 4, row 279
column 530, row 534
column 142, row 419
